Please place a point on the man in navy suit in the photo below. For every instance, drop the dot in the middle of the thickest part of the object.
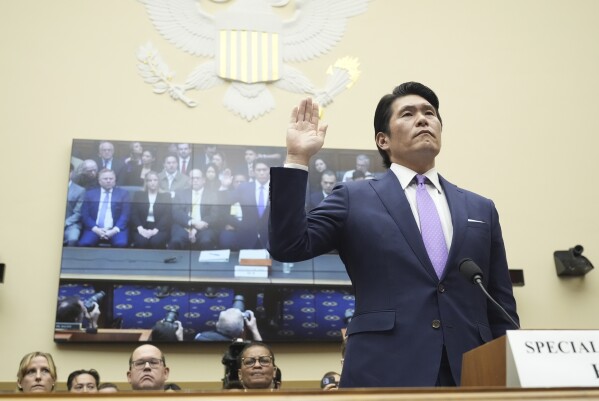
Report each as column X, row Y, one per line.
column 327, row 183
column 251, row 232
column 105, row 213
column 414, row 317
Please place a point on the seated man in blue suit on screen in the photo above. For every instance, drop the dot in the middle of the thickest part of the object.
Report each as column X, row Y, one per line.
column 105, row 213
column 401, row 237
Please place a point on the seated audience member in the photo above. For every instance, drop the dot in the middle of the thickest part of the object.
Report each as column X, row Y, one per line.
column 231, row 325
column 108, row 388
column 73, row 310
column 134, row 175
column 171, row 179
column 212, row 181
column 147, row 369
column 251, row 232
column 83, row 381
column 86, row 174
column 318, row 167
column 105, row 213
column 171, row 387
column 327, row 183
column 358, row 175
column 184, row 161
column 135, row 152
column 362, row 164
column 151, row 215
column 330, row 381
column 72, row 222
column 37, row 373
column 257, row 368
column 106, row 159
column 195, row 216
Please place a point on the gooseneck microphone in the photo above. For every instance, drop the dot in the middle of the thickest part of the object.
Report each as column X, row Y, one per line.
column 474, row 274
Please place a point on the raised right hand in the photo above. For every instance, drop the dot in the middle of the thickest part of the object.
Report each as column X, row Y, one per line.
column 305, row 136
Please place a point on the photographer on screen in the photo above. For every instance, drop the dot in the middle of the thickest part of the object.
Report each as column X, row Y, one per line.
column 232, row 324
column 74, row 310
column 168, row 329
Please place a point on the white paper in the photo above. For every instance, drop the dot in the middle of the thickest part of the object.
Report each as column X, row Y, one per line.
column 218, row 255
column 253, row 254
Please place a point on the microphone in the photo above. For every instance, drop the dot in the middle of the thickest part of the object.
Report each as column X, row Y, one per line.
column 473, row 273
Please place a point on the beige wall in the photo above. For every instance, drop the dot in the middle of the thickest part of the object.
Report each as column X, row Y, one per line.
column 518, row 85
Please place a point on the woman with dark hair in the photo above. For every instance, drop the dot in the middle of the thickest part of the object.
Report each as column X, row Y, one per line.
column 37, row 373
column 133, row 174
column 212, row 181
column 318, row 167
column 151, row 215
column 257, row 369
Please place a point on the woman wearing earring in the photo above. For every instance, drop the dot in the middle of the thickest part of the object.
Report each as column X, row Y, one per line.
column 37, row 373
column 257, row 367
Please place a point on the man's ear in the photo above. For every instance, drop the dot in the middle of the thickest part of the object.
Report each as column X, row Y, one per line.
column 129, row 376
column 166, row 372
column 382, row 140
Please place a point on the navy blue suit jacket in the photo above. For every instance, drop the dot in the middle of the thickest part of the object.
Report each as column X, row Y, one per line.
column 252, row 230
column 119, row 205
column 404, row 313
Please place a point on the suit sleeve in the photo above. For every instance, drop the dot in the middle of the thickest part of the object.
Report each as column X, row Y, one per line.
column 295, row 235
column 89, row 210
column 499, row 283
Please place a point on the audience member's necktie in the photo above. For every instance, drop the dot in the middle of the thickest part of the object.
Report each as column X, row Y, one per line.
column 103, row 209
column 430, row 227
column 195, row 206
column 261, row 203
column 184, row 167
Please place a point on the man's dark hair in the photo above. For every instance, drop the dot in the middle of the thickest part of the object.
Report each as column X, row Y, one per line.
column 107, row 385
column 383, row 112
column 92, row 372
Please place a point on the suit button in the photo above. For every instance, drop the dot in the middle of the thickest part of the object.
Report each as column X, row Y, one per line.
column 441, row 288
column 436, row 324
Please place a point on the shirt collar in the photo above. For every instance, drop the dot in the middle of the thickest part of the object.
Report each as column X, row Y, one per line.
column 406, row 175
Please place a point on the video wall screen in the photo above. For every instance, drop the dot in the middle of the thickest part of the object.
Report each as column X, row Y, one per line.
column 167, row 242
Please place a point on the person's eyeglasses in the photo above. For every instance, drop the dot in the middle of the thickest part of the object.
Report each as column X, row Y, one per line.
column 264, row 360
column 141, row 363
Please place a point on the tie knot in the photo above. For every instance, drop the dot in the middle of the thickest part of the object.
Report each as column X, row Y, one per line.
column 421, row 179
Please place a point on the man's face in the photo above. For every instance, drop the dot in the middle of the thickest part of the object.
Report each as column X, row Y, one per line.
column 238, row 179
column 106, row 151
column 37, row 377
column 197, row 180
column 327, row 183
column 147, row 158
column 137, row 149
column 107, row 180
column 171, row 164
column 362, row 165
column 90, row 169
column 84, row 383
column 250, row 156
column 184, row 150
column 142, row 376
column 261, row 173
column 256, row 376
column 414, row 138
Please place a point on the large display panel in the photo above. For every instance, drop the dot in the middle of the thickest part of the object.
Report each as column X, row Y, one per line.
column 166, row 241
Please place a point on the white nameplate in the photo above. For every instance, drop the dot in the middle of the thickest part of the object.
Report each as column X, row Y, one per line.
column 552, row 358
column 251, row 271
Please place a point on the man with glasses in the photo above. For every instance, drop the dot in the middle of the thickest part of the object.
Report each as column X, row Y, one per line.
column 147, row 369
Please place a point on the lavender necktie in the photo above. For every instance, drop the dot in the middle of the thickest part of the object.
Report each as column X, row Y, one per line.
column 430, row 227
column 261, row 201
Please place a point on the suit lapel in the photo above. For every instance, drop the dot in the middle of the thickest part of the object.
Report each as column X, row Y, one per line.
column 456, row 198
column 393, row 197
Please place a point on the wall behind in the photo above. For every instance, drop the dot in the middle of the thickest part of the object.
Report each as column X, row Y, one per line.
column 517, row 82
